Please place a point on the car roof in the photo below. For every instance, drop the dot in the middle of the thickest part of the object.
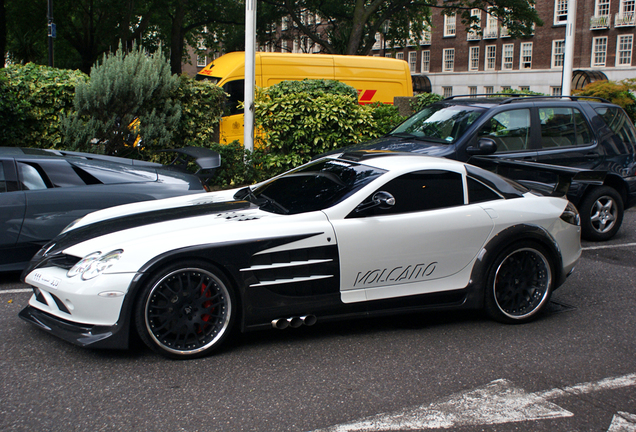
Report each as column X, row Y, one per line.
column 391, row 160
column 487, row 101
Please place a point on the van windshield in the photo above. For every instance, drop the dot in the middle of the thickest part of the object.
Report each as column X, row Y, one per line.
column 439, row 123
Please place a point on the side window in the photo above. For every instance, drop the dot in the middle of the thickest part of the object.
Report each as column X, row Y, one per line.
column 3, row 179
column 479, row 192
column 509, row 129
column 236, row 91
column 420, row 191
column 618, row 121
column 30, row 177
column 563, row 127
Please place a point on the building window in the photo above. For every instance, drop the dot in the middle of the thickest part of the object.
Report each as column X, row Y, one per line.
column 624, row 46
column 560, row 11
column 473, row 34
column 426, row 61
column 472, row 91
column 283, row 46
column 625, row 15
column 555, row 91
column 448, row 91
column 449, row 25
column 473, row 58
column 488, row 90
column 491, row 57
column 524, row 88
column 202, row 60
column 526, row 56
column 599, row 51
column 399, row 55
column 600, row 19
column 508, row 51
column 492, row 26
column 602, row 8
column 505, row 88
column 449, row 60
column 412, row 61
column 284, row 24
column 558, row 52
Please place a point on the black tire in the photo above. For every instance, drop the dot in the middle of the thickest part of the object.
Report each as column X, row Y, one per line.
column 185, row 311
column 519, row 283
column 601, row 214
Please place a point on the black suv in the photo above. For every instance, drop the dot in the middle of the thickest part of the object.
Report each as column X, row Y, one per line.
column 567, row 131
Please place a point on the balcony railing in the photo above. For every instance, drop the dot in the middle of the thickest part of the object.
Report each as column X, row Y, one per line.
column 504, row 32
column 490, row 33
column 473, row 36
column 426, row 38
column 624, row 20
column 599, row 22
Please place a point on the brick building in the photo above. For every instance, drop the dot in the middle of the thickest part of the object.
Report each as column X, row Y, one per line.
column 460, row 62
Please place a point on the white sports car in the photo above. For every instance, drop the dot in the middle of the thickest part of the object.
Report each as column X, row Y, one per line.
column 356, row 234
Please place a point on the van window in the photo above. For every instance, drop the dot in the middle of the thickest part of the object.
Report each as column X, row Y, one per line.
column 236, row 91
column 563, row 127
column 509, row 129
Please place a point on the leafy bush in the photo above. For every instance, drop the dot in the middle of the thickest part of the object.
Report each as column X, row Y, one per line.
column 312, row 87
column 125, row 90
column 32, row 98
column 620, row 93
column 521, row 92
column 298, row 126
column 423, row 100
column 386, row 117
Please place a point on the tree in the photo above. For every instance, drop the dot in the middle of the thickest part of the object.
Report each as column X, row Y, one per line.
column 350, row 26
column 127, row 95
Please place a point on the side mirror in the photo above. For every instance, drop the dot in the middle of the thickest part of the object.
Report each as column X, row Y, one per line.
column 485, row 146
column 381, row 199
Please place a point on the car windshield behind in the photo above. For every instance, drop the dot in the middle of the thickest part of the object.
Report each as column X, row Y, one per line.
column 312, row 187
column 439, row 123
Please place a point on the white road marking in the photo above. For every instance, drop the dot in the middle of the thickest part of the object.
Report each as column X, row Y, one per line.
column 609, row 246
column 495, row 403
column 623, row 422
column 16, row 291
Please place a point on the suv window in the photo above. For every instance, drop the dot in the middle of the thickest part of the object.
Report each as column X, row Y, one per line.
column 509, row 129
column 563, row 127
column 618, row 121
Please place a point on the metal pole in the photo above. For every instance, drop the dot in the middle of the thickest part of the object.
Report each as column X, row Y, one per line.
column 568, row 55
column 51, row 31
column 250, row 73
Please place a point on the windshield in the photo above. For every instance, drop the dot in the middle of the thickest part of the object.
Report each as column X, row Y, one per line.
column 312, row 187
column 439, row 123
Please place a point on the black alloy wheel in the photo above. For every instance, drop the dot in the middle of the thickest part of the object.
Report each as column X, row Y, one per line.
column 519, row 283
column 186, row 311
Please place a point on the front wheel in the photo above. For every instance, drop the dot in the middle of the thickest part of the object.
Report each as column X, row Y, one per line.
column 519, row 283
column 601, row 214
column 185, row 311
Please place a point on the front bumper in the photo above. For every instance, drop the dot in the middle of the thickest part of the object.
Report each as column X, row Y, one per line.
column 84, row 335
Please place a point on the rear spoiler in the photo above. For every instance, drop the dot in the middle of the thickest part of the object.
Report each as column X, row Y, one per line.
column 565, row 175
column 207, row 160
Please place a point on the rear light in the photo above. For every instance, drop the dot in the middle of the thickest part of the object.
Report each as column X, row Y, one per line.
column 571, row 215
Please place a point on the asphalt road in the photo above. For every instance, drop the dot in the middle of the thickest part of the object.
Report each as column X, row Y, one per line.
column 572, row 370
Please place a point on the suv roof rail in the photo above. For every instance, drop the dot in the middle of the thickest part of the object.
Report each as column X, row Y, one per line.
column 515, row 97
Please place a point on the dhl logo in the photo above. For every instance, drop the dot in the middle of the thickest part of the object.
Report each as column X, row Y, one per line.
column 365, row 96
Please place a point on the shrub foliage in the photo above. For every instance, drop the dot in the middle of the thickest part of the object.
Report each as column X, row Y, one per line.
column 620, row 93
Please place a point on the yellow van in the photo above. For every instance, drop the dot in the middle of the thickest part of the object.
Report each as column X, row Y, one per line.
column 377, row 79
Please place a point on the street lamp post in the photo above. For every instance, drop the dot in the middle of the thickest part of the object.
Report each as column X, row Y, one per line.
column 51, row 30
column 250, row 73
column 568, row 55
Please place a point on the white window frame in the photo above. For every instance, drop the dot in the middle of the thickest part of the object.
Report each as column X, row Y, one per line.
column 473, row 58
column 602, row 8
column 555, row 91
column 448, row 60
column 507, row 56
column 472, row 90
column 474, row 34
column 450, row 25
column 492, row 26
column 412, row 61
column 599, row 51
column 490, row 58
column 426, row 61
column 560, row 12
column 558, row 53
column 202, row 60
column 447, row 91
column 489, row 89
column 624, row 47
column 399, row 55
column 525, row 56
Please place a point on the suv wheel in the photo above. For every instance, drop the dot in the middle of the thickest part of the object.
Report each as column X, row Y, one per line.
column 601, row 214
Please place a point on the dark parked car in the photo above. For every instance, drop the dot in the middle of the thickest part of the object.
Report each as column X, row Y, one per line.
column 42, row 191
column 570, row 131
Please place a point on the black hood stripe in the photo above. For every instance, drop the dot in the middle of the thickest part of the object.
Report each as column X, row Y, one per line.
column 122, row 223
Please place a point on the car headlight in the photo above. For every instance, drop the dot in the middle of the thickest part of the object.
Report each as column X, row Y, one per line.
column 571, row 215
column 92, row 265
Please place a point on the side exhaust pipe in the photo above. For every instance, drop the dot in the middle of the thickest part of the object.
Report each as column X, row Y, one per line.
column 294, row 322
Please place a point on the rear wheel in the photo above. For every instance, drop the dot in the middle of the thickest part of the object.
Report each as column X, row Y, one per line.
column 185, row 311
column 519, row 283
column 601, row 214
